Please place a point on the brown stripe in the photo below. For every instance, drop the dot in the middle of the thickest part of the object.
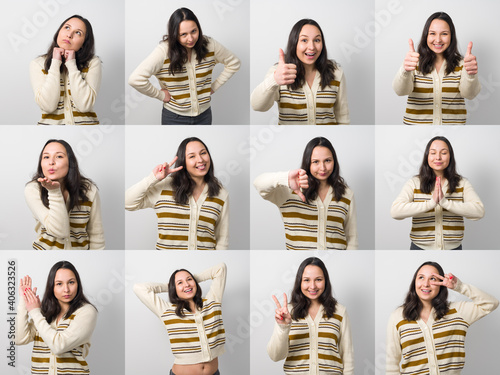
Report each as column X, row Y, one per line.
column 215, row 200
column 454, row 111
column 172, row 215
column 423, row 90
column 412, row 342
column 47, row 116
column 167, row 237
column 292, row 106
column 419, row 111
column 299, row 336
column 451, row 89
column 51, row 243
column 414, row 363
column 84, row 114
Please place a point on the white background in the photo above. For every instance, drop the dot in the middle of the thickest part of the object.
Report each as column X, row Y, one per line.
column 36, row 22
column 343, row 22
column 148, row 146
column 473, row 22
column 147, row 346
column 99, row 151
column 278, row 149
column 225, row 21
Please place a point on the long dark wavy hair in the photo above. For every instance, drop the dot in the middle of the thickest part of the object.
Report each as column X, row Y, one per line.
column 83, row 55
column 75, row 183
column 180, row 303
column 182, row 182
column 334, row 180
column 325, row 67
column 300, row 303
column 50, row 306
column 176, row 52
column 428, row 57
column 412, row 307
column 428, row 177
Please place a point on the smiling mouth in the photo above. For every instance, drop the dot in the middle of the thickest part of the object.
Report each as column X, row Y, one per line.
column 188, row 290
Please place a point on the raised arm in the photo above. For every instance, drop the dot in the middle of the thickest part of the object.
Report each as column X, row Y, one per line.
column 404, row 206
column 277, row 347
column 231, row 64
column 218, row 276
column 148, row 294
column 25, row 329
column 266, row 93
column 84, row 90
column 46, row 85
column 469, row 81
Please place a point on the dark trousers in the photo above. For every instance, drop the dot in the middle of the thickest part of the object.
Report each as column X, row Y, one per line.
column 215, row 373
column 171, row 118
column 415, row 247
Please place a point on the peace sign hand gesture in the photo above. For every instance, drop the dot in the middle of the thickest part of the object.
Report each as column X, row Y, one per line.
column 281, row 315
column 448, row 280
column 297, row 179
column 163, row 170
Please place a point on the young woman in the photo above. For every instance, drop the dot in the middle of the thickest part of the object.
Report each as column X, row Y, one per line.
column 66, row 79
column 437, row 78
column 191, row 205
column 316, row 204
column 438, row 199
column 309, row 88
column 194, row 324
column 313, row 331
column 426, row 335
column 60, row 326
column 183, row 64
column 64, row 203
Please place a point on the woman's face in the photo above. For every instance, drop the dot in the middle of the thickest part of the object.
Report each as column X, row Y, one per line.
column 55, row 163
column 72, row 35
column 439, row 36
column 185, row 286
column 309, row 45
column 188, row 34
column 439, row 156
column 197, row 159
column 322, row 163
column 426, row 292
column 65, row 286
column 313, row 282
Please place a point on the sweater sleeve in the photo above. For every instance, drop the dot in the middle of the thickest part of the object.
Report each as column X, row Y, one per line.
column 47, row 87
column 25, row 329
column 393, row 347
column 403, row 82
column 273, row 187
column 469, row 85
column 94, row 226
column 351, row 230
column 54, row 219
column 139, row 79
column 471, row 208
column 482, row 303
column 404, row 206
column 218, row 275
column 277, row 347
column 78, row 333
column 266, row 93
column 222, row 228
column 84, row 90
column 346, row 347
column 141, row 195
column 148, row 294
column 341, row 107
column 231, row 64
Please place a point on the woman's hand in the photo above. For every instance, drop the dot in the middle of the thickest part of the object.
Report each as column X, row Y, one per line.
column 69, row 54
column 167, row 97
column 49, row 184
column 412, row 57
column 31, row 300
column 285, row 74
column 282, row 316
column 448, row 280
column 163, row 170
column 24, row 284
column 470, row 62
column 58, row 53
column 297, row 179
column 437, row 195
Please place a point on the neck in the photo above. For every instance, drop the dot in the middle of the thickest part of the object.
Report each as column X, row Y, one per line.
column 323, row 185
column 439, row 58
column 64, row 308
column 309, row 68
column 439, row 173
column 314, row 304
column 199, row 182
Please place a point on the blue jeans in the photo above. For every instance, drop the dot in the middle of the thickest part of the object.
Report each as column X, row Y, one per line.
column 215, row 373
column 171, row 118
column 415, row 247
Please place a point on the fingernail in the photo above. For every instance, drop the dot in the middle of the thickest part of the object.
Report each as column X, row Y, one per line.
column 451, row 277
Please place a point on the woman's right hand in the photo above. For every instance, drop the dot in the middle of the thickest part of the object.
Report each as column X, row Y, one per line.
column 58, row 53
column 24, row 284
column 412, row 57
column 281, row 315
column 297, row 179
column 285, row 74
column 48, row 184
column 437, row 195
column 167, row 97
column 163, row 170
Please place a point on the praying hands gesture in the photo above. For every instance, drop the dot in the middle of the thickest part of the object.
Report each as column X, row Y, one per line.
column 437, row 195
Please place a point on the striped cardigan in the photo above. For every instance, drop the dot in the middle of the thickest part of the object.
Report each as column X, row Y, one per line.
column 58, row 229
column 58, row 348
column 435, row 346
column 322, row 225
column 436, row 98
column 198, row 225
column 306, row 105
column 437, row 226
column 314, row 347
column 191, row 88
column 197, row 337
column 68, row 98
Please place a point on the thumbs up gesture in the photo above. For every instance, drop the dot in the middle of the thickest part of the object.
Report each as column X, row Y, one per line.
column 411, row 59
column 285, row 74
column 470, row 62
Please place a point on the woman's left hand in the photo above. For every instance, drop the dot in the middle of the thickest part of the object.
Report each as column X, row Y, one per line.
column 437, row 195
column 448, row 280
column 470, row 62
column 69, row 54
column 31, row 300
